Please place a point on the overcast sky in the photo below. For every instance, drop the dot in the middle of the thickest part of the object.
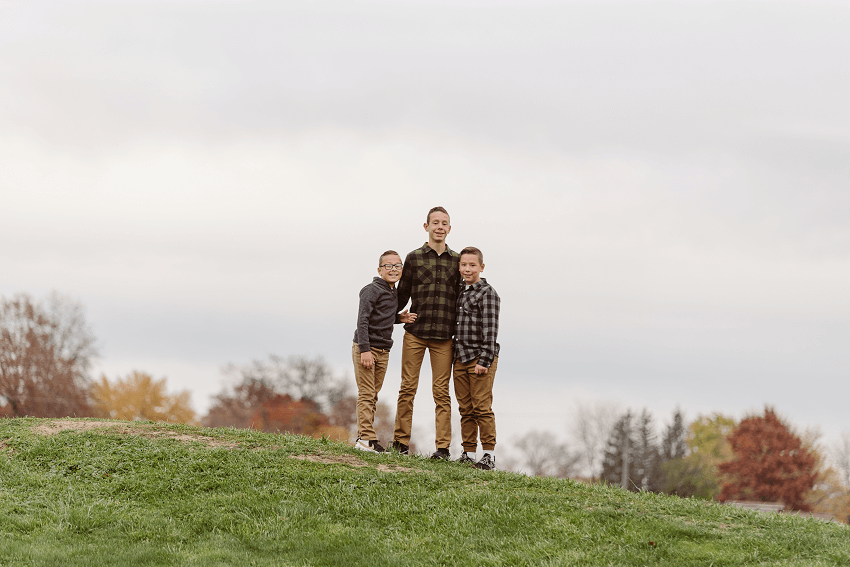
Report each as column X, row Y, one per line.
column 660, row 188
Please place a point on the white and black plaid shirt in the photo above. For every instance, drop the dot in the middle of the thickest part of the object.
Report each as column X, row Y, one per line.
column 477, row 324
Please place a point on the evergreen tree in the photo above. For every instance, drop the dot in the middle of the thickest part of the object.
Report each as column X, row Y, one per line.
column 674, row 443
column 646, row 471
column 674, row 477
column 618, row 452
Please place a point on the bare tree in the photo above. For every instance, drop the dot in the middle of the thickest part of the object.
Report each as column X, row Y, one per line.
column 590, row 427
column 45, row 353
column 543, row 455
column 841, row 456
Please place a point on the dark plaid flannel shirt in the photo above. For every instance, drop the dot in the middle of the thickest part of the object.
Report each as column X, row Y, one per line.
column 431, row 282
column 477, row 324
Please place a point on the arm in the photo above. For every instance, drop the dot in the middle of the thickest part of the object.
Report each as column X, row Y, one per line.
column 367, row 305
column 405, row 285
column 490, row 305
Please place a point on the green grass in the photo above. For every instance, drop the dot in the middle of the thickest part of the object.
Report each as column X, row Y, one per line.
column 132, row 494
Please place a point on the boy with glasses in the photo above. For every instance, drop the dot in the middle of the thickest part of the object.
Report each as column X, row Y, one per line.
column 372, row 342
column 430, row 281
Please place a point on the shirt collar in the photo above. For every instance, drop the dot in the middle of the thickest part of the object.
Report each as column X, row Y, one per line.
column 426, row 247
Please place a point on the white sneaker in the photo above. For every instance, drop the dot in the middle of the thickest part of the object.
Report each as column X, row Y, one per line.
column 363, row 445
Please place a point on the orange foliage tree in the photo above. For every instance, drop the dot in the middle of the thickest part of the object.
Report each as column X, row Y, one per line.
column 770, row 464
column 139, row 396
column 282, row 413
column 298, row 395
column 233, row 407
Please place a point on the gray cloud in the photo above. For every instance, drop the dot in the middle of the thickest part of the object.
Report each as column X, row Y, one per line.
column 660, row 188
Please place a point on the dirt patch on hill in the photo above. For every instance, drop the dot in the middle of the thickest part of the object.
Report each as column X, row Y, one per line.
column 4, row 448
column 332, row 460
column 59, row 425
column 150, row 432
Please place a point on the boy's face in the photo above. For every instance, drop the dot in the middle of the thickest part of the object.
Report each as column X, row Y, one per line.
column 438, row 226
column 470, row 268
column 392, row 273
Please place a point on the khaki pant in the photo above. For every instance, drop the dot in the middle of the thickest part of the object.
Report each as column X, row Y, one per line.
column 474, row 394
column 369, row 382
column 412, row 354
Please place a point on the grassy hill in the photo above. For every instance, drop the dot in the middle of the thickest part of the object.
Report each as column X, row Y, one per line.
column 86, row 492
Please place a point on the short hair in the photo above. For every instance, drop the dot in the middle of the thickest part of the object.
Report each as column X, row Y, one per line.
column 473, row 250
column 437, row 210
column 387, row 253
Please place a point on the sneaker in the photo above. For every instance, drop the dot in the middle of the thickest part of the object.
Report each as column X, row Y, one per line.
column 466, row 459
column 441, row 454
column 376, row 446
column 487, row 462
column 400, row 447
column 364, row 445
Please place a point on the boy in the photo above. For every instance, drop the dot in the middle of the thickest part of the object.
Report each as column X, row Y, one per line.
column 372, row 342
column 476, row 357
column 431, row 281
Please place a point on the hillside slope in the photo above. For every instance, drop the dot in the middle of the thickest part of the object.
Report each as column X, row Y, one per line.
column 87, row 492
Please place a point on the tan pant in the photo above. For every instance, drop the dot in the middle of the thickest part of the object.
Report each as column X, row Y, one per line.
column 369, row 382
column 412, row 354
column 474, row 394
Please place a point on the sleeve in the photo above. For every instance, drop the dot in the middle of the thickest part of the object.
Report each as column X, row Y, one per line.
column 405, row 284
column 490, row 327
column 367, row 305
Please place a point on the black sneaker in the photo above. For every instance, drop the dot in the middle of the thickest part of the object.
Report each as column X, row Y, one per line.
column 376, row 446
column 487, row 462
column 441, row 454
column 400, row 447
column 465, row 459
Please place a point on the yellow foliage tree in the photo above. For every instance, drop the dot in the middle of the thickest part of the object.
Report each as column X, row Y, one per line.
column 139, row 396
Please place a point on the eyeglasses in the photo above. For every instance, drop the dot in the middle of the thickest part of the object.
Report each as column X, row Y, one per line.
column 391, row 266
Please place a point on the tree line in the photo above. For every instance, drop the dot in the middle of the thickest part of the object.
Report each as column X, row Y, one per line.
column 47, row 349
column 761, row 458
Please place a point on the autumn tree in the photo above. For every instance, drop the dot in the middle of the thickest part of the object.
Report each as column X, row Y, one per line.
column 139, row 396
column 264, row 383
column 46, row 350
column 696, row 474
column 304, row 417
column 770, row 463
column 234, row 406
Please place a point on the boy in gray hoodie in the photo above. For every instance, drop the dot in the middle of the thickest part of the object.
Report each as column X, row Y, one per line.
column 373, row 339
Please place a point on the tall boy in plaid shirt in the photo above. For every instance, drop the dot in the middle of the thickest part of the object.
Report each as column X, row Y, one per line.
column 431, row 282
column 476, row 357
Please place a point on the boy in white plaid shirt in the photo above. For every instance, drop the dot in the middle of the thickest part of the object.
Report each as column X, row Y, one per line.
column 476, row 355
